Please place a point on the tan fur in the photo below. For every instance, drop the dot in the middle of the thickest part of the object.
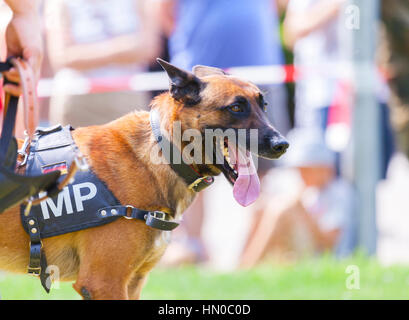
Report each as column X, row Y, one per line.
column 113, row 261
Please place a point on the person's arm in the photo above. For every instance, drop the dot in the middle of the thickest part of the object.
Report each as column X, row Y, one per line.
column 140, row 47
column 298, row 24
column 22, row 6
column 281, row 5
column 167, row 16
column 23, row 38
column 325, row 240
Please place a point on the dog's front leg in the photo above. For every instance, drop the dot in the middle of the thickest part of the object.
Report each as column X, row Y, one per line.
column 135, row 286
column 95, row 285
column 99, row 288
column 109, row 256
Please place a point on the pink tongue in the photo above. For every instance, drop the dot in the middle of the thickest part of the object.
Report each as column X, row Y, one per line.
column 246, row 189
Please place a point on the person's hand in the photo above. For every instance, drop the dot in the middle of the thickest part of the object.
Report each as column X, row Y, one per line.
column 23, row 38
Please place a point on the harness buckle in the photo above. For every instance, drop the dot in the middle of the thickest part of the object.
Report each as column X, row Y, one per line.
column 157, row 220
column 34, row 265
column 23, row 151
column 34, row 271
column 159, row 215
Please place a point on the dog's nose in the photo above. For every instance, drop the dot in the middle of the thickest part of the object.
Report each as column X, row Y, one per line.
column 279, row 146
column 273, row 146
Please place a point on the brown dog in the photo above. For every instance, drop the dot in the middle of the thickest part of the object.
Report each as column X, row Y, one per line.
column 113, row 261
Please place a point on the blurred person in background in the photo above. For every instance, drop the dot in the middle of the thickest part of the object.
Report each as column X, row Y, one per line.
column 394, row 59
column 306, row 209
column 222, row 34
column 97, row 39
column 322, row 43
column 392, row 200
column 314, row 29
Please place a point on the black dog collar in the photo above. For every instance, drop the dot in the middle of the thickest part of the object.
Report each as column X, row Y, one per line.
column 193, row 179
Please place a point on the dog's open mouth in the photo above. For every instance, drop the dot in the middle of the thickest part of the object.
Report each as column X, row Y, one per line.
column 229, row 168
column 239, row 169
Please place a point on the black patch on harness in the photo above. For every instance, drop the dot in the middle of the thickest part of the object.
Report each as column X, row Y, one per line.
column 76, row 206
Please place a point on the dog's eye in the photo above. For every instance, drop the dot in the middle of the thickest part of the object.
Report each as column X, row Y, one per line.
column 236, row 108
column 240, row 107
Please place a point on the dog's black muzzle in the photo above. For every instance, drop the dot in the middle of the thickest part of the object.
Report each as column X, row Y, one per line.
column 272, row 145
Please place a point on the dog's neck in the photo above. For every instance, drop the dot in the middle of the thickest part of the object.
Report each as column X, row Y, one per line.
column 121, row 154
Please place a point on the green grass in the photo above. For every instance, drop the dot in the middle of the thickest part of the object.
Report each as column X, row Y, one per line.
column 323, row 278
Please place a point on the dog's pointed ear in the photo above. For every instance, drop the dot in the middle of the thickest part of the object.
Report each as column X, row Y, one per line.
column 202, row 71
column 184, row 86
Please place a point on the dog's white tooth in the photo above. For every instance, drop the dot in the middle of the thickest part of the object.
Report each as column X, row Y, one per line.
column 226, row 155
column 225, row 152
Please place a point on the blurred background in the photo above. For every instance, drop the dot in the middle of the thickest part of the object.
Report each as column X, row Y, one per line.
column 333, row 218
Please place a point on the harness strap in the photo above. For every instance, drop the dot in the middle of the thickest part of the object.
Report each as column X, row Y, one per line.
column 37, row 265
column 193, row 179
column 155, row 219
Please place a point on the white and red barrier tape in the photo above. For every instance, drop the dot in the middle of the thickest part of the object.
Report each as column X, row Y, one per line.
column 152, row 81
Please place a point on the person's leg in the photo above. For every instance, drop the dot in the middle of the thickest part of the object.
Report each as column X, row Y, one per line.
column 187, row 245
column 253, row 241
column 258, row 240
column 193, row 219
column 280, row 233
column 322, row 114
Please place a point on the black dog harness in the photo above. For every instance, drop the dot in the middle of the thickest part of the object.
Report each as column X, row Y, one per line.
column 86, row 202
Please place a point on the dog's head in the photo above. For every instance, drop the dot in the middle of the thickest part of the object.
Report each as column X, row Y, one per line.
column 209, row 98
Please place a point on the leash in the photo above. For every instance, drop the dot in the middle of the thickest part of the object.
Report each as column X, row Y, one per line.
column 194, row 180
